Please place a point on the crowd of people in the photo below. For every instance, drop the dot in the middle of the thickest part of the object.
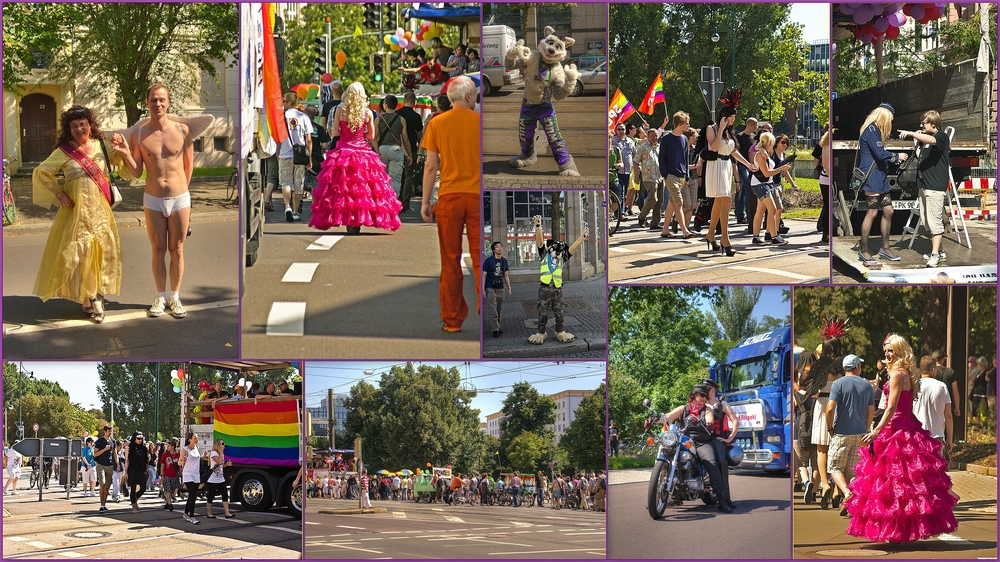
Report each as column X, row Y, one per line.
column 443, row 62
column 688, row 177
column 587, row 491
column 876, row 446
column 129, row 469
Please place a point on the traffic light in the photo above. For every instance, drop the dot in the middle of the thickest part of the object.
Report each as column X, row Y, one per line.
column 371, row 17
column 320, row 48
column 394, row 59
column 390, row 16
column 378, row 66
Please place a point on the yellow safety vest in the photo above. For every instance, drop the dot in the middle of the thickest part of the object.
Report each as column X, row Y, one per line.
column 548, row 277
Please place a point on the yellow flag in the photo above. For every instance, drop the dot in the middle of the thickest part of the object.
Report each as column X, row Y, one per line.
column 357, row 31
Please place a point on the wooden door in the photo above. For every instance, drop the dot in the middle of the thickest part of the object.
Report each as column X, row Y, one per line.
column 38, row 127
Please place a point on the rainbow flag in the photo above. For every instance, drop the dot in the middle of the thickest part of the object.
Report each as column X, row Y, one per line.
column 653, row 96
column 619, row 110
column 273, row 105
column 264, row 433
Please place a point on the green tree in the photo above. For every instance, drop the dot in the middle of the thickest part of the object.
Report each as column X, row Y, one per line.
column 585, row 438
column 17, row 383
column 56, row 417
column 417, row 415
column 525, row 410
column 733, row 312
column 674, row 40
column 528, row 452
column 121, row 48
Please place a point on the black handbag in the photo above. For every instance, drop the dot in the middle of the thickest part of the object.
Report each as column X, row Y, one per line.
column 858, row 176
column 300, row 156
column 907, row 177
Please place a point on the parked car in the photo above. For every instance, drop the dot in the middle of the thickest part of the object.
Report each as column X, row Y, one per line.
column 593, row 80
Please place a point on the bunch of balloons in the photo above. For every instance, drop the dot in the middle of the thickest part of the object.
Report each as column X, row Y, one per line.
column 306, row 91
column 879, row 21
column 403, row 40
column 176, row 377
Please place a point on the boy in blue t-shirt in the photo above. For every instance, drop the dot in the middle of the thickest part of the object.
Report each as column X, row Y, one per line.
column 497, row 280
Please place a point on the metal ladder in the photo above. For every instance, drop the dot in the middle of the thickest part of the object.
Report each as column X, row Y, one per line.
column 952, row 200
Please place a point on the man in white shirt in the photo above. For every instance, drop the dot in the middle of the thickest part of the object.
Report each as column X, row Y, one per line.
column 932, row 406
column 292, row 176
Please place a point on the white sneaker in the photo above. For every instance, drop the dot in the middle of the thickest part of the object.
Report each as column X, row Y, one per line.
column 942, row 256
column 157, row 309
column 297, row 217
column 934, row 260
column 177, row 309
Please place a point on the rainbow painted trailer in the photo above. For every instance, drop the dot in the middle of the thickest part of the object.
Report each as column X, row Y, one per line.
column 263, row 441
column 756, row 380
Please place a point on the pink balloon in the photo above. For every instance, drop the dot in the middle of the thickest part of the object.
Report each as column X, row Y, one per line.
column 865, row 38
column 881, row 24
column 897, row 19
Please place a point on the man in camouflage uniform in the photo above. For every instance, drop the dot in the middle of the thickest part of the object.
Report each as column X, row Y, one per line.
column 554, row 254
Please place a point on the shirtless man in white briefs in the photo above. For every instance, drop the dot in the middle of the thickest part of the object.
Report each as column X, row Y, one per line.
column 164, row 146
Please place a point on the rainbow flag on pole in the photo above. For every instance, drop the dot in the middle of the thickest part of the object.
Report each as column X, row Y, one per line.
column 619, row 110
column 261, row 432
column 653, row 96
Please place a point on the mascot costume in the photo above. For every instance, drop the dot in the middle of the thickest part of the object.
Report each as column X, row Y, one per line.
column 545, row 79
column 554, row 255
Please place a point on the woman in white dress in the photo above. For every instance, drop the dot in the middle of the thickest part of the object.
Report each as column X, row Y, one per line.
column 720, row 156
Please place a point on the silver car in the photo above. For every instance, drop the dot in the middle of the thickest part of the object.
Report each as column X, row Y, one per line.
column 593, row 80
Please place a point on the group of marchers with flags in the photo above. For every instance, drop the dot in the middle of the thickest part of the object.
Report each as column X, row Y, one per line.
column 620, row 109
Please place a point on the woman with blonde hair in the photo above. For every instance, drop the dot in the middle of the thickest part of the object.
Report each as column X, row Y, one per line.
column 902, row 492
column 763, row 187
column 874, row 159
column 353, row 188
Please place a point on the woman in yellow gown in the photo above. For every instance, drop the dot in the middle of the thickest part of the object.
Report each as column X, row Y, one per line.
column 82, row 260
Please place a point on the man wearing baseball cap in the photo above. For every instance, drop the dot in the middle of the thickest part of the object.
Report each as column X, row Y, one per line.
column 849, row 414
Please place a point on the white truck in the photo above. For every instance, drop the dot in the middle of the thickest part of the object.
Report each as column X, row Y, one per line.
column 496, row 41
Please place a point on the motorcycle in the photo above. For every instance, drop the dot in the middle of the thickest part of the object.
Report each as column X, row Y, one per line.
column 677, row 475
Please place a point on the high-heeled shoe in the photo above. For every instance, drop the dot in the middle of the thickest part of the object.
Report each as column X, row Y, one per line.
column 712, row 245
column 824, row 503
column 728, row 250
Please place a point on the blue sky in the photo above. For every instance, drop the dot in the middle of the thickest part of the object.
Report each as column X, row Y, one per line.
column 815, row 17
column 492, row 379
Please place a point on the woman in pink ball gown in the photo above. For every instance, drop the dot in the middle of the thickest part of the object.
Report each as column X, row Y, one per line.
column 353, row 187
column 901, row 493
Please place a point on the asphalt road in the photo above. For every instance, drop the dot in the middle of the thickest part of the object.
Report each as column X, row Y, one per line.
column 411, row 530
column 757, row 528
column 639, row 255
column 60, row 529
column 582, row 123
column 58, row 328
column 373, row 295
column 822, row 533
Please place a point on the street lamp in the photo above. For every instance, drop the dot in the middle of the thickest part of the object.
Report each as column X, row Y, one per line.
column 732, row 34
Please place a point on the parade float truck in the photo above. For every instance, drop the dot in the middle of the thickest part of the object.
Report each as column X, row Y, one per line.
column 965, row 94
column 262, row 438
column 755, row 382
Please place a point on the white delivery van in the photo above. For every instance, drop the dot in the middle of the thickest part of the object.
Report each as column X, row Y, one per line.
column 495, row 42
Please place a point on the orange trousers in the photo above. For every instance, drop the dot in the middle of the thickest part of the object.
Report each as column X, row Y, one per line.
column 453, row 213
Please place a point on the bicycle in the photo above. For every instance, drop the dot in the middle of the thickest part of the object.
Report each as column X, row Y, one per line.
column 231, row 192
column 614, row 212
column 9, row 209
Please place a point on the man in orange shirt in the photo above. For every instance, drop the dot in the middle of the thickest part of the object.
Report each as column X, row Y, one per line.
column 453, row 147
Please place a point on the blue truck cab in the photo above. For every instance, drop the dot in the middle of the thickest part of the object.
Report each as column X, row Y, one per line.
column 755, row 382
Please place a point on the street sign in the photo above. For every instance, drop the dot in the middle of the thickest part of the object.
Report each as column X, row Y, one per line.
column 35, row 427
column 28, row 447
column 711, row 86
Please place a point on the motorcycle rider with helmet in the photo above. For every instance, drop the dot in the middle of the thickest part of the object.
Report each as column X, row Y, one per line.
column 698, row 422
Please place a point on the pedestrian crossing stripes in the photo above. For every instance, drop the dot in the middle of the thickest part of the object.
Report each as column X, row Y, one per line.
column 325, row 242
column 286, row 319
column 796, row 276
column 300, row 273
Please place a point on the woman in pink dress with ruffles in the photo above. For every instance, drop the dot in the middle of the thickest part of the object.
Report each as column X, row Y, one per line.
column 902, row 492
column 353, row 188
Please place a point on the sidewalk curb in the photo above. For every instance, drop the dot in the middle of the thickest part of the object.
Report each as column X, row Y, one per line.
column 355, row 511
column 973, row 468
column 579, row 345
column 126, row 220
